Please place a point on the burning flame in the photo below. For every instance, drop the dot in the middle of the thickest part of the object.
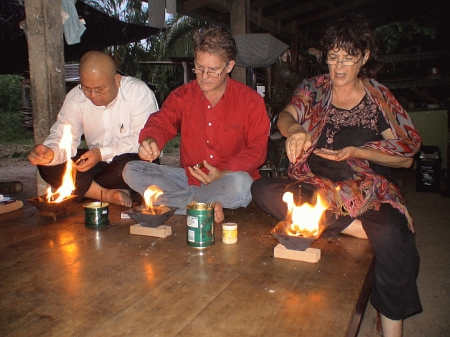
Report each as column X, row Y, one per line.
column 151, row 194
column 67, row 185
column 305, row 218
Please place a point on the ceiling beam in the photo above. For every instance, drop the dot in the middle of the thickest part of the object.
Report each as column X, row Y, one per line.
column 331, row 12
column 264, row 3
column 192, row 5
column 300, row 9
column 189, row 7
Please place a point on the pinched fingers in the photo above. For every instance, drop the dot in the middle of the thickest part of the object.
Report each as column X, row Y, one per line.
column 198, row 174
column 296, row 144
column 149, row 150
column 40, row 155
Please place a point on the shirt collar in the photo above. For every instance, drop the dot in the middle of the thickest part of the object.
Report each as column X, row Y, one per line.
column 227, row 85
column 121, row 94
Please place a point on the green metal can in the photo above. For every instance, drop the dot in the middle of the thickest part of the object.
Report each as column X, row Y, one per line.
column 200, row 225
column 96, row 215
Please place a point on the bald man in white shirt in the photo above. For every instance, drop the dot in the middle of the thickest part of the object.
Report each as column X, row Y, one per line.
column 109, row 110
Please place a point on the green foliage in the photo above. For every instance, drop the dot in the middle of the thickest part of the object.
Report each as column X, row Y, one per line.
column 174, row 42
column 131, row 11
column 13, row 130
column 10, row 92
column 406, row 37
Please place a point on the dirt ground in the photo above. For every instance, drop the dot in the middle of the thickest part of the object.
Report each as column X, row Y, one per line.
column 15, row 167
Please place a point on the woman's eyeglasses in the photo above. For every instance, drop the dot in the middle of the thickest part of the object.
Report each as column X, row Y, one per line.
column 345, row 62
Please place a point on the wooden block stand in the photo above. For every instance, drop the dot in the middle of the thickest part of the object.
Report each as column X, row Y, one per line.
column 159, row 232
column 308, row 255
column 10, row 206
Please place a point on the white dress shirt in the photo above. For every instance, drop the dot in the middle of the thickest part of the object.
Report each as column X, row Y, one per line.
column 113, row 129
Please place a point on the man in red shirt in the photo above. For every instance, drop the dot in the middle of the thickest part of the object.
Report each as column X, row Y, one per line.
column 224, row 129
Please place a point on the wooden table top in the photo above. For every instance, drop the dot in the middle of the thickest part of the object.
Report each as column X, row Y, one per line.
column 59, row 278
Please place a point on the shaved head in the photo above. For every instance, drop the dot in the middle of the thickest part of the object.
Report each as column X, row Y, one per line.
column 96, row 61
column 99, row 79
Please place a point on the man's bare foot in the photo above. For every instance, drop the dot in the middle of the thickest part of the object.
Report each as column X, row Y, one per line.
column 114, row 196
column 218, row 212
column 119, row 197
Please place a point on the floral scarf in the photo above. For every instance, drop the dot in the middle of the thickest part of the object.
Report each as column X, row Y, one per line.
column 367, row 190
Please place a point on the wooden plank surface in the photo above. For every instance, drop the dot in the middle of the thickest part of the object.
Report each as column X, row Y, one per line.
column 59, row 278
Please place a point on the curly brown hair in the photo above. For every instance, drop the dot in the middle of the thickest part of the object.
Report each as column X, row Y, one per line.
column 354, row 35
column 215, row 40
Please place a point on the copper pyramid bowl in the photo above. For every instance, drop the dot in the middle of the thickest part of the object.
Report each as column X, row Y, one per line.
column 151, row 218
column 294, row 242
column 43, row 205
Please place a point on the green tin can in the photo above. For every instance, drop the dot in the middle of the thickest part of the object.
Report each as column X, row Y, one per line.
column 96, row 215
column 200, row 225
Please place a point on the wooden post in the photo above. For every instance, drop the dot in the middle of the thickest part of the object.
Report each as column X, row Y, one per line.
column 44, row 33
column 269, row 91
column 186, row 71
column 294, row 46
column 240, row 24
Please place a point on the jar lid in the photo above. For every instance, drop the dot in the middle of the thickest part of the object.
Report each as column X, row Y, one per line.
column 96, row 204
column 229, row 226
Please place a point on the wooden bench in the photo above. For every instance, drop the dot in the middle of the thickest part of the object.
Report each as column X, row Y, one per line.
column 61, row 278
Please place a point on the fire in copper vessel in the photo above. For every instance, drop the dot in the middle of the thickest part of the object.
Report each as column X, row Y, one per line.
column 301, row 225
column 301, row 241
column 151, row 216
column 43, row 205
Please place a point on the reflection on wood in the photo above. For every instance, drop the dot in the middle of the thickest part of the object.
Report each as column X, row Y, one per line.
column 61, row 278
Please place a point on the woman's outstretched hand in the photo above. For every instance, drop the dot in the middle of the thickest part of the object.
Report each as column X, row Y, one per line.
column 337, row 155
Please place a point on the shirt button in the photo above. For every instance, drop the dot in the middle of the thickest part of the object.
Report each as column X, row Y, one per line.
column 209, row 124
column 207, row 141
column 209, row 106
column 211, row 156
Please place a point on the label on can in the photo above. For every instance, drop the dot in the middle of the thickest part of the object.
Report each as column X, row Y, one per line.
column 200, row 225
column 96, row 215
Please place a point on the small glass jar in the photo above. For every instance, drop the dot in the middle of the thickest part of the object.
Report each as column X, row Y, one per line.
column 229, row 233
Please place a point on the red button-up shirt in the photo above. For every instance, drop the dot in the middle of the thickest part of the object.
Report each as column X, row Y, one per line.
column 232, row 135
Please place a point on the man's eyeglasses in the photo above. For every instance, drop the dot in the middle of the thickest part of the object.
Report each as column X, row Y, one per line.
column 212, row 74
column 98, row 92
column 345, row 62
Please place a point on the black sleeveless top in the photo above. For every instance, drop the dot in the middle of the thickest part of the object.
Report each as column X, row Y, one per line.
column 355, row 127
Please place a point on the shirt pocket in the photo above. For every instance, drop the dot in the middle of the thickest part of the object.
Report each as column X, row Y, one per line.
column 123, row 130
column 231, row 140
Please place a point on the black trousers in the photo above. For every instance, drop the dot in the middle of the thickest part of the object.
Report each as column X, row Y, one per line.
column 394, row 292
column 107, row 175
